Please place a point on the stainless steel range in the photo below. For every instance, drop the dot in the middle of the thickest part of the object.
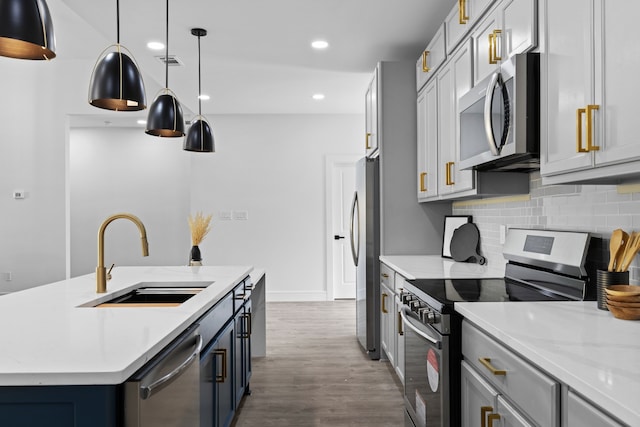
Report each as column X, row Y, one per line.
column 542, row 266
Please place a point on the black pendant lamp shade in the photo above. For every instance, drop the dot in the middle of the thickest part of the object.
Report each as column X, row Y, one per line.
column 26, row 30
column 116, row 82
column 199, row 136
column 165, row 114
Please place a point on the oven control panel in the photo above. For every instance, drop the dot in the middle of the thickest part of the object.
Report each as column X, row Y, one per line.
column 422, row 310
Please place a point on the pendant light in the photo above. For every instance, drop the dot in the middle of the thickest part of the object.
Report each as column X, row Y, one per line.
column 116, row 83
column 199, row 136
column 165, row 114
column 26, row 30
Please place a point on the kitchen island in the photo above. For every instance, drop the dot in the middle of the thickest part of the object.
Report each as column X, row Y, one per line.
column 64, row 359
column 587, row 350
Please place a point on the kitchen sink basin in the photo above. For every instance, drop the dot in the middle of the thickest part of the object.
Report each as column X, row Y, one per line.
column 153, row 294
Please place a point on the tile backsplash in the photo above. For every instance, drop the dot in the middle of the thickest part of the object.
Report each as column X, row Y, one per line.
column 598, row 209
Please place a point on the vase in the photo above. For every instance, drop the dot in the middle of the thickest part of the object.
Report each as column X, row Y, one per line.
column 195, row 258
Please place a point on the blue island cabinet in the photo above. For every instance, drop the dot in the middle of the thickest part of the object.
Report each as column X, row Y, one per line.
column 60, row 406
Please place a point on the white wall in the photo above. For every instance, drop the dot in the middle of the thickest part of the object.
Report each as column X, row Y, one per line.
column 272, row 166
column 114, row 170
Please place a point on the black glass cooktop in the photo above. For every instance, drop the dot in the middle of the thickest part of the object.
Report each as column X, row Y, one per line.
column 443, row 293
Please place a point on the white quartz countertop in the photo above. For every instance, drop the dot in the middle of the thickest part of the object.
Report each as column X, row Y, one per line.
column 586, row 348
column 436, row 267
column 48, row 338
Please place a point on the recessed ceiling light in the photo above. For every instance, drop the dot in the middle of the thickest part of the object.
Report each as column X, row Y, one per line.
column 319, row 44
column 155, row 45
column 318, row 96
column 204, row 97
column 142, row 122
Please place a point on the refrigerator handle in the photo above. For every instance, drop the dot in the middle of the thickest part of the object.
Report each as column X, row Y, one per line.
column 355, row 213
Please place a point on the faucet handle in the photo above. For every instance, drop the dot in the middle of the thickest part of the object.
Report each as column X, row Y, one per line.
column 109, row 272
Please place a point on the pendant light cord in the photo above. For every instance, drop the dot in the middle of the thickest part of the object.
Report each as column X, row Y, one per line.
column 166, row 52
column 118, row 21
column 199, row 81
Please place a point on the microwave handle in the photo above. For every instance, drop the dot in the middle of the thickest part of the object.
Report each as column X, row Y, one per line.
column 496, row 80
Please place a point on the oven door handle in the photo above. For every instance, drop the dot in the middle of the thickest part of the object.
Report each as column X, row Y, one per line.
column 429, row 338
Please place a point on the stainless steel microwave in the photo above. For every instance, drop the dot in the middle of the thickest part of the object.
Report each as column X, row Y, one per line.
column 500, row 118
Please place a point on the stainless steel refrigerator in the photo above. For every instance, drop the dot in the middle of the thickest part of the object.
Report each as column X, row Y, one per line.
column 365, row 248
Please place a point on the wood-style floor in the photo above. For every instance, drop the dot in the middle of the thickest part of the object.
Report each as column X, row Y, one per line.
column 315, row 373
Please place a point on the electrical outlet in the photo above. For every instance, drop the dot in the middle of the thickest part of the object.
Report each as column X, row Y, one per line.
column 241, row 215
column 18, row 194
column 7, row 276
column 224, row 215
column 503, row 234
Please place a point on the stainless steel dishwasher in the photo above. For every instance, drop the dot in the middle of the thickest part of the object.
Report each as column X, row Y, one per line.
column 166, row 391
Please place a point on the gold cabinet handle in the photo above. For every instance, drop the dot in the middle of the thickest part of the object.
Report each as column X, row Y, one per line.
column 483, row 415
column 491, row 42
column 492, row 418
column 220, row 378
column 448, row 176
column 424, row 61
column 366, row 141
column 423, row 187
column 384, row 308
column 579, row 113
column 462, row 12
column 590, row 109
column 496, row 35
column 486, row 362
column 400, row 330
column 385, row 275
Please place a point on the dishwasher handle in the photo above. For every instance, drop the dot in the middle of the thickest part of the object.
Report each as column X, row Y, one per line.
column 147, row 391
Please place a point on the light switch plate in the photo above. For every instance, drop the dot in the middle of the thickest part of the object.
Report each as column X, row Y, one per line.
column 224, row 215
column 503, row 233
column 241, row 215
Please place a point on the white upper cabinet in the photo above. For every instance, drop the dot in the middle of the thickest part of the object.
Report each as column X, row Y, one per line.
column 509, row 28
column 461, row 19
column 431, row 59
column 589, row 72
column 371, row 117
column 427, row 133
column 453, row 81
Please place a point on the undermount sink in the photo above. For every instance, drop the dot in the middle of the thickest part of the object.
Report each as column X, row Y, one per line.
column 153, row 294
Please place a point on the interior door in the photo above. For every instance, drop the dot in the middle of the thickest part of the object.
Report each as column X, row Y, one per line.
column 343, row 185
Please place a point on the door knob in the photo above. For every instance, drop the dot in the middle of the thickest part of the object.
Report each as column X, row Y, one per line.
column 337, row 237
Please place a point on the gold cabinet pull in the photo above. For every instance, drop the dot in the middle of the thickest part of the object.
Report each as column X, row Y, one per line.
column 462, row 12
column 492, row 418
column 384, row 308
column 589, row 112
column 448, row 176
column 425, row 68
column 220, row 378
column 483, row 415
column 496, row 35
column 366, row 141
column 491, row 42
column 486, row 362
column 423, row 187
column 385, row 275
column 579, row 113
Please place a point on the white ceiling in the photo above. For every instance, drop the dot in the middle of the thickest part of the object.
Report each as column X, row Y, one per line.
column 257, row 57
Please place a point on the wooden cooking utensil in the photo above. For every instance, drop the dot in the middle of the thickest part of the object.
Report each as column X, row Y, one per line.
column 621, row 251
column 630, row 251
column 615, row 245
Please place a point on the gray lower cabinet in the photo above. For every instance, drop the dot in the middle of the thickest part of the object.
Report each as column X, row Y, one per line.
column 504, row 386
column 581, row 413
column 483, row 405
